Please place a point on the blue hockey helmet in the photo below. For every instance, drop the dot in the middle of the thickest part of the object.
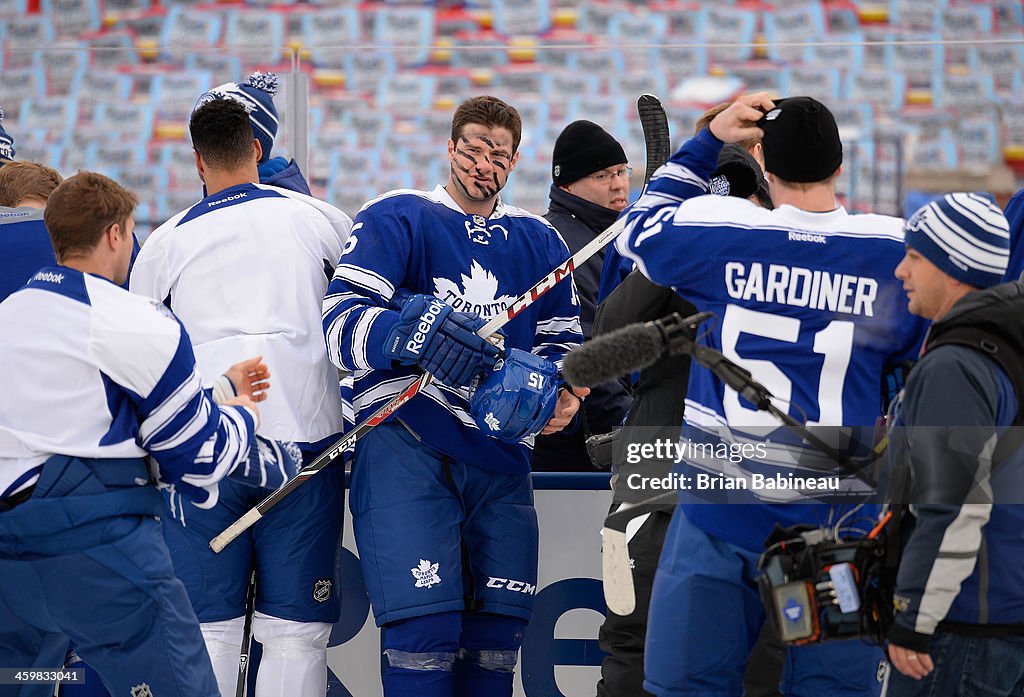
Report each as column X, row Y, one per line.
column 517, row 398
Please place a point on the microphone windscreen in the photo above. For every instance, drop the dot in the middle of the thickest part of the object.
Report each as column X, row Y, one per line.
column 633, row 347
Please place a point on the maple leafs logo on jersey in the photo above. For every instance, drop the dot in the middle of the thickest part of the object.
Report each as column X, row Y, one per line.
column 478, row 292
column 425, row 574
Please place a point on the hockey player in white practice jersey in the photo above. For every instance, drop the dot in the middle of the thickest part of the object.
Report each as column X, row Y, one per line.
column 806, row 300
column 441, row 496
column 95, row 379
column 244, row 271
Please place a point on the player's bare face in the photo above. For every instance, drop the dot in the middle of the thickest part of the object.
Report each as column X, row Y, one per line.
column 481, row 160
column 927, row 288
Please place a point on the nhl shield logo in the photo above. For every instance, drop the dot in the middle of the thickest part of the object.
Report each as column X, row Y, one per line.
column 142, row 691
column 322, row 590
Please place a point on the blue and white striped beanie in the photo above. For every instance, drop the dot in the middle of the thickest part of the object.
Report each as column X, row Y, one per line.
column 6, row 142
column 257, row 96
column 965, row 235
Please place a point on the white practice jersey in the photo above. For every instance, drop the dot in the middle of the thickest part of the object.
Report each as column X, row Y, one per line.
column 244, row 271
column 93, row 371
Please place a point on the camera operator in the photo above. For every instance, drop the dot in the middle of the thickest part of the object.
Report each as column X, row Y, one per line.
column 955, row 456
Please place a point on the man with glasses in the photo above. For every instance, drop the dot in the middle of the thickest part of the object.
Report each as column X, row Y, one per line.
column 590, row 187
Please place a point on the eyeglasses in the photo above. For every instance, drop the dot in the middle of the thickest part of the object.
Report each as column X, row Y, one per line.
column 602, row 177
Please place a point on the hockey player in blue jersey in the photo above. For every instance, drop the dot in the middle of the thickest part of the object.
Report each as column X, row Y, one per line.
column 441, row 495
column 24, row 243
column 244, row 271
column 257, row 96
column 806, row 300
column 95, row 380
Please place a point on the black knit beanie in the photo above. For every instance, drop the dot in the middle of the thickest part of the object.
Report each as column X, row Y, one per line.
column 801, row 140
column 583, row 148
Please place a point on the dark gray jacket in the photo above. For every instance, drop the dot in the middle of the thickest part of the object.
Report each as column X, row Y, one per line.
column 579, row 221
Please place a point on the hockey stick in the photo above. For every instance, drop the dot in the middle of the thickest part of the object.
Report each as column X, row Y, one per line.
column 241, row 683
column 619, row 593
column 518, row 305
column 656, row 134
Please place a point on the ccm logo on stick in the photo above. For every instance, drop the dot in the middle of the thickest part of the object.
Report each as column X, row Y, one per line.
column 525, row 300
column 427, row 319
column 511, row 585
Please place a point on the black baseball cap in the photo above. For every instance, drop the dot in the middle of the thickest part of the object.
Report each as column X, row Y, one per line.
column 801, row 140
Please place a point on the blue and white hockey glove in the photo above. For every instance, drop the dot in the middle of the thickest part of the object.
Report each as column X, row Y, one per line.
column 430, row 334
column 517, row 398
column 270, row 464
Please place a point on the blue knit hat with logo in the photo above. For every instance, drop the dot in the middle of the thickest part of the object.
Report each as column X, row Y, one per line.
column 6, row 142
column 965, row 235
column 257, row 96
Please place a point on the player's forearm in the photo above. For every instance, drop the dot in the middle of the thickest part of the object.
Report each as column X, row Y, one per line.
column 355, row 326
column 202, row 453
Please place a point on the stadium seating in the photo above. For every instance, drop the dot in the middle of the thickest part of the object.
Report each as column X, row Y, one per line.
column 110, row 83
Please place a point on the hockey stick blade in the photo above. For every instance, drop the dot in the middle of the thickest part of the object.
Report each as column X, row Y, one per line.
column 619, row 593
column 657, row 138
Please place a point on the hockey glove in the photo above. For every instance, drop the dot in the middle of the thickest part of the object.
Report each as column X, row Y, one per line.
column 270, row 464
column 441, row 341
column 517, row 398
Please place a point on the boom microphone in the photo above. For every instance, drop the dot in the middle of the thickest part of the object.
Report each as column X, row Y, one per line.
column 633, row 347
column 637, row 346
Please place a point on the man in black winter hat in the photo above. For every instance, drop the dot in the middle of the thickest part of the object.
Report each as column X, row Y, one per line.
column 590, row 187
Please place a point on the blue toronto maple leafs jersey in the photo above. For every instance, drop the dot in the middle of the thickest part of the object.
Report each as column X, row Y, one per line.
column 806, row 301
column 423, row 242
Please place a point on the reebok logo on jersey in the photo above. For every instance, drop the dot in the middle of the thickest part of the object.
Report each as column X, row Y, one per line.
column 806, row 237
column 491, row 421
column 49, row 277
column 511, row 585
column 235, row 197
column 425, row 574
column 415, row 343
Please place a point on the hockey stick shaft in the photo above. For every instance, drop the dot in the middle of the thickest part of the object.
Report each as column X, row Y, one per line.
column 518, row 305
column 241, row 683
column 327, row 457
